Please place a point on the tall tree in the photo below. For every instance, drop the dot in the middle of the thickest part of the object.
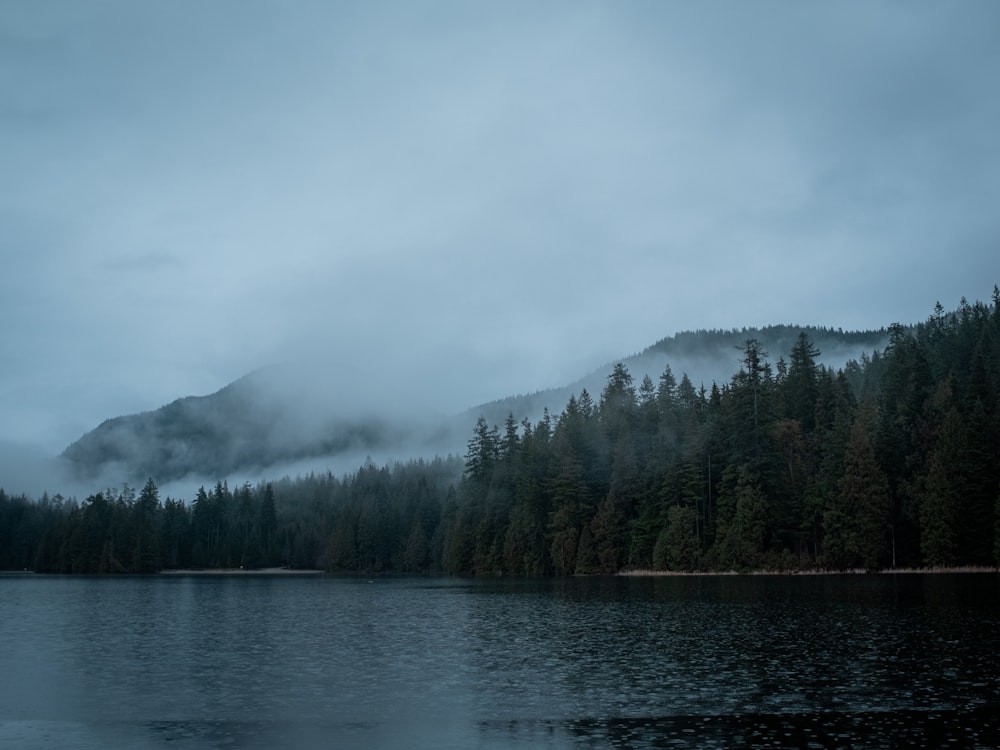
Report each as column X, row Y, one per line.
column 857, row 524
column 941, row 489
column 800, row 387
column 743, row 526
column 145, row 552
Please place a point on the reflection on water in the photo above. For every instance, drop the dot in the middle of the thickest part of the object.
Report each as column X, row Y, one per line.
column 203, row 662
column 978, row 728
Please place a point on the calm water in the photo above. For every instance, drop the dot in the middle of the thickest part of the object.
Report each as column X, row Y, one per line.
column 316, row 662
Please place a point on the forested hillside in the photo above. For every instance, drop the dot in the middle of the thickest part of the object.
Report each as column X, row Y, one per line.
column 296, row 411
column 247, row 425
column 890, row 461
column 706, row 356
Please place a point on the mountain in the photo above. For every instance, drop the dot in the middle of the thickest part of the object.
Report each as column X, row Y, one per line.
column 280, row 415
column 705, row 356
column 274, row 415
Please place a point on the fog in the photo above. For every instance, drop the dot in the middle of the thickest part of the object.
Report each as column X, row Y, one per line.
column 312, row 417
column 444, row 204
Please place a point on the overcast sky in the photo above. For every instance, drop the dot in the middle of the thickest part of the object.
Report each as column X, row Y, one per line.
column 467, row 200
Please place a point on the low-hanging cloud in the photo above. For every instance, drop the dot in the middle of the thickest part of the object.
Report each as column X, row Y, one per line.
column 445, row 204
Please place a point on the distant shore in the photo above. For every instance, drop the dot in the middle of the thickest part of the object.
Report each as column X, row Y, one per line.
column 813, row 572
column 624, row 573
column 239, row 571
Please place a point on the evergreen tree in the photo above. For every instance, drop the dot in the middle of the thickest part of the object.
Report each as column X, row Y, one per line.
column 856, row 525
column 941, row 490
column 416, row 556
column 608, row 528
column 267, row 525
column 677, row 546
column 483, row 453
column 587, row 561
column 743, row 527
column 145, row 553
column 800, row 387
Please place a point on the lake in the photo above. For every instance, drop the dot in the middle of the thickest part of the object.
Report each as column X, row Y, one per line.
column 249, row 661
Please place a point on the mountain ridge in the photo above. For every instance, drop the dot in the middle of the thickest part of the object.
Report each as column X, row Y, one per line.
column 280, row 415
column 711, row 343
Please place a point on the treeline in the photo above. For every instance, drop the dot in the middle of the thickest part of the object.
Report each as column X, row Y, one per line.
column 290, row 523
column 892, row 461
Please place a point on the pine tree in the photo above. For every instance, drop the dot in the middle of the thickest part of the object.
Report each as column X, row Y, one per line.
column 146, row 535
column 483, row 453
column 685, row 546
column 800, row 388
column 609, row 533
column 267, row 526
column 587, row 562
column 743, row 529
column 416, row 556
column 941, row 490
column 856, row 526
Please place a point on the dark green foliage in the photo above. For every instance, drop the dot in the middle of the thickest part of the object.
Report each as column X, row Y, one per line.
column 744, row 528
column 677, row 546
column 941, row 491
column 856, row 522
column 894, row 460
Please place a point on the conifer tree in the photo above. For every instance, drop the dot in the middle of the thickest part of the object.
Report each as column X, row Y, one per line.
column 743, row 527
column 145, row 553
column 856, row 526
column 941, row 490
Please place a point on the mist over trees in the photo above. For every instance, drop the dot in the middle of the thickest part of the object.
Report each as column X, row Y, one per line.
column 299, row 410
column 890, row 461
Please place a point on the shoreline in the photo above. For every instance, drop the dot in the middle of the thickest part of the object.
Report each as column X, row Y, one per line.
column 808, row 572
column 641, row 573
column 239, row 572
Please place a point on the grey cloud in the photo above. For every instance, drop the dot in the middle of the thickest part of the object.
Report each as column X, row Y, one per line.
column 476, row 199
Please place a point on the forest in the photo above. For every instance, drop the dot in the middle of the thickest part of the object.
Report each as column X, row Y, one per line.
column 892, row 461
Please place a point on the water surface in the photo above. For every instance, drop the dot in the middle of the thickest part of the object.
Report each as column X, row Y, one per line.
column 714, row 661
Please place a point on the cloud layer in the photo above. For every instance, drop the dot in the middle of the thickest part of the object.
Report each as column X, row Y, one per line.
column 459, row 201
